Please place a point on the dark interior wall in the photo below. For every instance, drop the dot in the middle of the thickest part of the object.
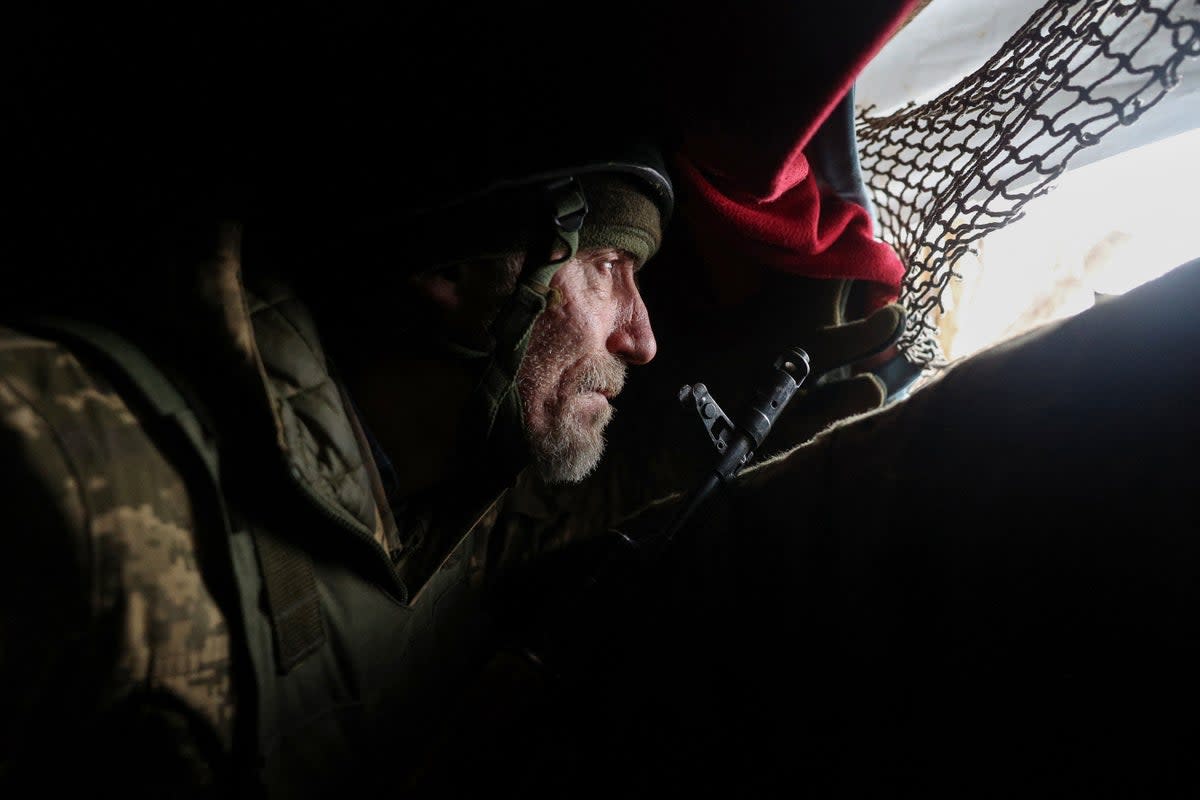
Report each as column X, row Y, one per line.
column 149, row 102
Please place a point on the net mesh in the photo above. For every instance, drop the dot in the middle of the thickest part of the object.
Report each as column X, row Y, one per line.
column 945, row 173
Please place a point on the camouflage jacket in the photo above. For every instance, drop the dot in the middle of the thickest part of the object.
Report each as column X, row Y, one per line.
column 208, row 586
column 206, row 564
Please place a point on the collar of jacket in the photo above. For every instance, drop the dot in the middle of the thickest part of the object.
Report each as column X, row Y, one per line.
column 249, row 353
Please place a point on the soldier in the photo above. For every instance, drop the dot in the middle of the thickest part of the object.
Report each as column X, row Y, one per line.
column 201, row 624
column 280, row 466
column 294, row 479
column 267, row 431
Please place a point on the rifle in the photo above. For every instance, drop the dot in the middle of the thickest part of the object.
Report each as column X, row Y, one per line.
column 735, row 444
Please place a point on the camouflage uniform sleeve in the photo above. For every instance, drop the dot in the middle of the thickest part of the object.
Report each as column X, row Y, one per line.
column 113, row 657
column 45, row 614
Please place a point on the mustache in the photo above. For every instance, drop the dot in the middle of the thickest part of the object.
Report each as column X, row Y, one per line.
column 604, row 374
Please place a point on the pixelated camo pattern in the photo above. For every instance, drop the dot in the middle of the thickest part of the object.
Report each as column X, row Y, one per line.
column 127, row 511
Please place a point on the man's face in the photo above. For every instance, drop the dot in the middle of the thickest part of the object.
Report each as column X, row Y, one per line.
column 576, row 361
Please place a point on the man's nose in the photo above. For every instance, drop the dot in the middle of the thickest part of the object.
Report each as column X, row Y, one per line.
column 633, row 339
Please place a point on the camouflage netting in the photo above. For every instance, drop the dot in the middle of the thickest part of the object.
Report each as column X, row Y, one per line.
column 945, row 173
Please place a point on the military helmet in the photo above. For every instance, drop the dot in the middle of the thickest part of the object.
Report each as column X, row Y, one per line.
column 637, row 158
column 470, row 207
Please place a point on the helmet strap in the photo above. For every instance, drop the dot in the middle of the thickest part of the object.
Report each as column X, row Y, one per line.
column 567, row 206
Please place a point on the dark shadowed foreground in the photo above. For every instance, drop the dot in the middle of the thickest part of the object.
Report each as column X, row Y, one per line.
column 986, row 590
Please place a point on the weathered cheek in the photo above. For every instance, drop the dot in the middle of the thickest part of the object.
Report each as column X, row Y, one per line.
column 572, row 317
column 559, row 307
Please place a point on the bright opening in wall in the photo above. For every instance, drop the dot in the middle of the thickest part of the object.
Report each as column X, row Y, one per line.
column 1107, row 227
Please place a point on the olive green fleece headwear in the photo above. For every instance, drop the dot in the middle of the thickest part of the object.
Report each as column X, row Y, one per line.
column 620, row 214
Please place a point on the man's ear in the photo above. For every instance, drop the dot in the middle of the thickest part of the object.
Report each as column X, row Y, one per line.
column 444, row 289
column 457, row 298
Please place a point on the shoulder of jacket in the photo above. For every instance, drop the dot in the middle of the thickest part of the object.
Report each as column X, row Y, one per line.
column 99, row 525
column 65, row 428
column 42, row 486
column 50, row 399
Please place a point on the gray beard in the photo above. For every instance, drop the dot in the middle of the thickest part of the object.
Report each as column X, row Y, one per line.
column 570, row 447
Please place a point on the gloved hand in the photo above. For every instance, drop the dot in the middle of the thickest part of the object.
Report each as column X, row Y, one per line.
column 811, row 314
column 838, row 386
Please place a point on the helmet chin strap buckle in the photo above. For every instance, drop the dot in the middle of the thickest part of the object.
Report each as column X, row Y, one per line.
column 567, row 204
column 568, row 207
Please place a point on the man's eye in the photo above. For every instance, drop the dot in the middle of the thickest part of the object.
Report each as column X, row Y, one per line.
column 608, row 265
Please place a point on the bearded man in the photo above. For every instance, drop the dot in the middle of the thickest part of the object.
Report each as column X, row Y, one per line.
column 276, row 503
